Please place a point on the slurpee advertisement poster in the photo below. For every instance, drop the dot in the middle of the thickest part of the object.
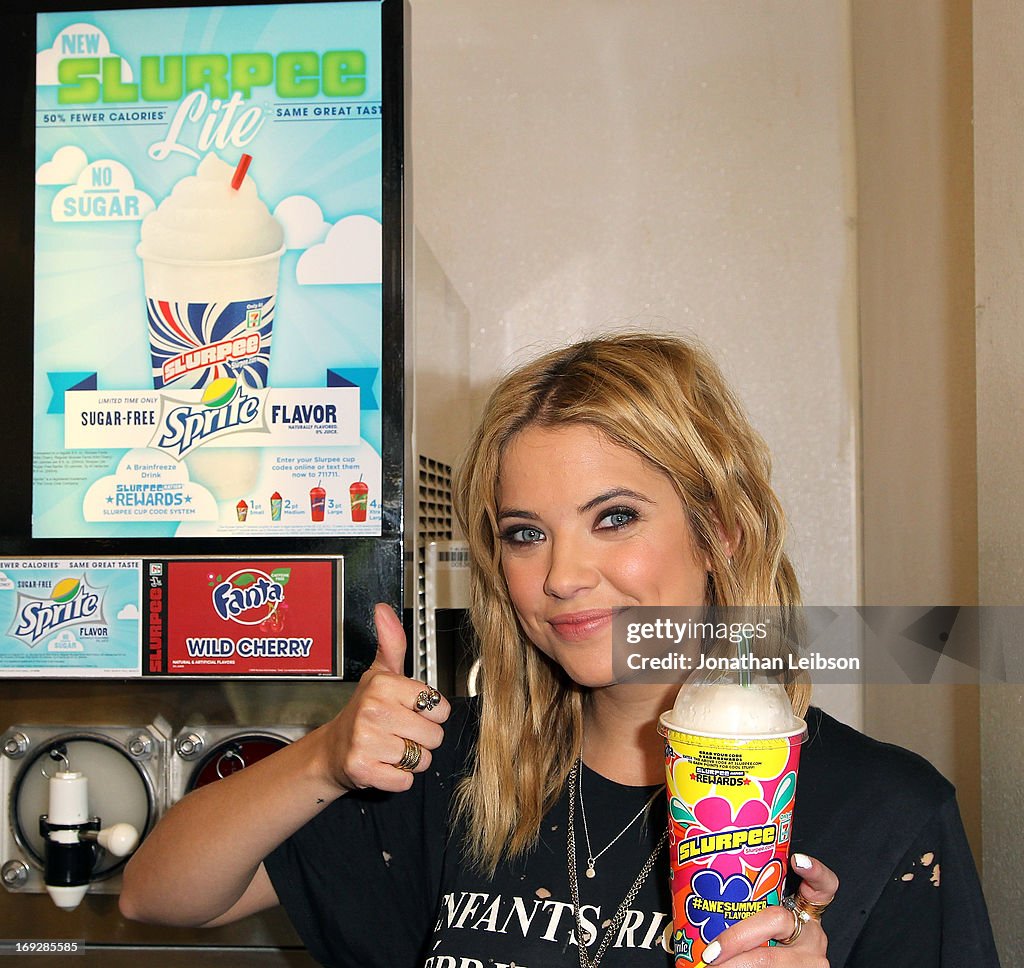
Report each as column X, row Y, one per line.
column 208, row 300
column 70, row 618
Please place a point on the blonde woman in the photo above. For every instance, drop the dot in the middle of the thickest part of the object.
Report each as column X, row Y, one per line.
column 528, row 828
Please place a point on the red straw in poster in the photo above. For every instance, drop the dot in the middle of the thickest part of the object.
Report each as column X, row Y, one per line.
column 240, row 170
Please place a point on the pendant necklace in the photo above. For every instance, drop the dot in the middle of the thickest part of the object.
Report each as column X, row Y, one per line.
column 592, row 858
column 583, row 936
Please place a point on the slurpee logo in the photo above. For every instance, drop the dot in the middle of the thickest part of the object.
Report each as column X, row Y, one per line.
column 212, row 99
column 86, row 76
column 237, row 348
column 751, row 839
column 249, row 596
column 71, row 602
column 225, row 408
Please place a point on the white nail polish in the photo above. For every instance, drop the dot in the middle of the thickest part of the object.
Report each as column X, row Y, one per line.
column 802, row 862
column 711, row 952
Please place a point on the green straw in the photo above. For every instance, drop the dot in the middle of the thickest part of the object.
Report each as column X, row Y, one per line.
column 743, row 649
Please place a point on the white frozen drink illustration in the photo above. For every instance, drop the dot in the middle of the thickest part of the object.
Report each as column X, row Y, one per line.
column 211, row 253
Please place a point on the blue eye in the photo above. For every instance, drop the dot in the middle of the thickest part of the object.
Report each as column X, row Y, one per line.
column 522, row 534
column 617, row 518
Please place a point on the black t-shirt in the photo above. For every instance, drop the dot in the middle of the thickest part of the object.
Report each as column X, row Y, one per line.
column 378, row 880
column 524, row 913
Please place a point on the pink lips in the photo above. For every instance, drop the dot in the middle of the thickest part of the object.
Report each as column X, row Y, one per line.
column 576, row 626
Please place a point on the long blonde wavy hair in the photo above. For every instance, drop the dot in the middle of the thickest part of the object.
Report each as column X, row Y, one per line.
column 664, row 399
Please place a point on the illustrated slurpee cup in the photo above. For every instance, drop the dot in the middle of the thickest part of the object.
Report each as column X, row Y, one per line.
column 358, row 494
column 732, row 754
column 275, row 506
column 211, row 254
column 317, row 502
column 242, row 510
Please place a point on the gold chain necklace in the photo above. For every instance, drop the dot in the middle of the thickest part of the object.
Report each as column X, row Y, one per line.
column 582, row 934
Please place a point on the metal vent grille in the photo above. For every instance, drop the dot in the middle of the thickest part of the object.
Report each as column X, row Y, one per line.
column 434, row 520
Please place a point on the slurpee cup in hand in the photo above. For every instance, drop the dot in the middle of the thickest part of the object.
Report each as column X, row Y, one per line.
column 732, row 753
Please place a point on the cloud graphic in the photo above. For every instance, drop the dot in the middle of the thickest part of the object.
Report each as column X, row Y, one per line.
column 129, row 613
column 78, row 40
column 5, row 582
column 302, row 220
column 350, row 255
column 63, row 168
column 148, row 486
column 104, row 192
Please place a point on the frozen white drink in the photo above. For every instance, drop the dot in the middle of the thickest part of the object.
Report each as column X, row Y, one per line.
column 211, row 253
column 730, row 709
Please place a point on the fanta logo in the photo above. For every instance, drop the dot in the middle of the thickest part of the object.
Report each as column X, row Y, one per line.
column 71, row 602
column 745, row 839
column 247, row 597
column 185, row 427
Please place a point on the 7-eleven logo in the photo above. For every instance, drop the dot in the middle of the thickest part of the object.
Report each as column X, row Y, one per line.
column 253, row 317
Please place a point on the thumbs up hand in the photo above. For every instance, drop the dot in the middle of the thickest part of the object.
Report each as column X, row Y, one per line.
column 381, row 725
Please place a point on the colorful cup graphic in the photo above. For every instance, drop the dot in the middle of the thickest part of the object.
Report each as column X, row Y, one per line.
column 732, row 754
column 317, row 502
column 275, row 506
column 358, row 494
column 210, row 258
column 242, row 510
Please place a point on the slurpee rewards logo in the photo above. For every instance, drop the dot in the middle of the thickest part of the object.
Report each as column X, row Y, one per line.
column 71, row 602
column 250, row 596
column 225, row 408
column 718, row 843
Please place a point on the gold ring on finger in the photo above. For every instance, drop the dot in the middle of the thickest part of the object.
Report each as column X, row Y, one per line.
column 410, row 757
column 811, row 909
column 799, row 917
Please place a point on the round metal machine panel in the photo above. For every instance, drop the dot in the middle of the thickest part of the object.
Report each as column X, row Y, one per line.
column 120, row 790
column 203, row 754
column 232, row 755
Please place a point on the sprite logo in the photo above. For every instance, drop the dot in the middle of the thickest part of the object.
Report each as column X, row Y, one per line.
column 225, row 408
column 71, row 602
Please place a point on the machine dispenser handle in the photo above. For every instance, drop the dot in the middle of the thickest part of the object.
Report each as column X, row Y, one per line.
column 120, row 839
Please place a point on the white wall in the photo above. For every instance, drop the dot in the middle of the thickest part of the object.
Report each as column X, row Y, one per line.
column 999, row 198
column 668, row 164
column 915, row 205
